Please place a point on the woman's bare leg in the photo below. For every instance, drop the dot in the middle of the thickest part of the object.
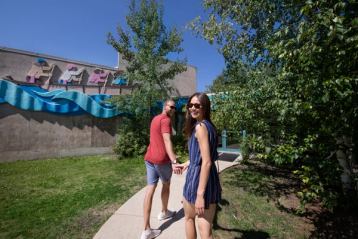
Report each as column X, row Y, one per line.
column 189, row 211
column 205, row 222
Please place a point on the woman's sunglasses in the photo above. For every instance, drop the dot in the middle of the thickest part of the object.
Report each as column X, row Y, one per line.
column 196, row 106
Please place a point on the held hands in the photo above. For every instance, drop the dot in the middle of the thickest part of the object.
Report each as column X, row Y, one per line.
column 177, row 169
column 184, row 165
column 180, row 168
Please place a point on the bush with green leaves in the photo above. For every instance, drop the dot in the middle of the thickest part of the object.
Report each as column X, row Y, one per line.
column 256, row 143
column 128, row 145
column 245, row 149
column 180, row 147
column 131, row 140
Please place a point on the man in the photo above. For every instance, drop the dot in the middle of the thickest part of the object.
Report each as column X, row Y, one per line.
column 160, row 162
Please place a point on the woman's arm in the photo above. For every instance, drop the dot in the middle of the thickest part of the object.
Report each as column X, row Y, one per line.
column 203, row 138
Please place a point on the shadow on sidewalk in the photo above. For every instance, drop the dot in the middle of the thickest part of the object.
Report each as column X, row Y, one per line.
column 179, row 215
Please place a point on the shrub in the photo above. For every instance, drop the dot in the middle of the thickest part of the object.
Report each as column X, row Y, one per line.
column 180, row 147
column 128, row 145
column 132, row 140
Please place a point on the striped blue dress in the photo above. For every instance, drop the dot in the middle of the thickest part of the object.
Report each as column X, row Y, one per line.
column 213, row 189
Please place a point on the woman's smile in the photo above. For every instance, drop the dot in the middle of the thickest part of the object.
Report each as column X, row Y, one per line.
column 194, row 108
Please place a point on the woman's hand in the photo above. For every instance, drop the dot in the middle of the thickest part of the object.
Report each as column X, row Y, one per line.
column 185, row 165
column 199, row 205
column 177, row 169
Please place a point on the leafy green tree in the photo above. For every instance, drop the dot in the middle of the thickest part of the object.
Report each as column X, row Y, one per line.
column 225, row 79
column 145, row 50
column 300, row 89
column 218, row 83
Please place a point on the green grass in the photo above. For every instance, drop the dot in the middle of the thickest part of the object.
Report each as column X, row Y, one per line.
column 73, row 197
column 64, row 198
column 249, row 207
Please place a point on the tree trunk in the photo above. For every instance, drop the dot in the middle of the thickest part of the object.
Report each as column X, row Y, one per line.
column 343, row 157
column 355, row 152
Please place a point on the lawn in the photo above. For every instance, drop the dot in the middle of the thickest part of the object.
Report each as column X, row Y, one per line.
column 250, row 207
column 73, row 197
column 64, row 198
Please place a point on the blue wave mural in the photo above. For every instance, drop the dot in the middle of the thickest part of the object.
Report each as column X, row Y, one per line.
column 58, row 101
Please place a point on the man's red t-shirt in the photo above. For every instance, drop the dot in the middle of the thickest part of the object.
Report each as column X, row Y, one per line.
column 156, row 152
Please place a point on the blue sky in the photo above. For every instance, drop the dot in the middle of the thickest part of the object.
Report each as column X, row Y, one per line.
column 78, row 29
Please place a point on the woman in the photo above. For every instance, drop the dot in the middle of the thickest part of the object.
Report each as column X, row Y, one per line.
column 202, row 190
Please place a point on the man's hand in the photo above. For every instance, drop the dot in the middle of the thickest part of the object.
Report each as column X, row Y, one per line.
column 177, row 169
column 184, row 166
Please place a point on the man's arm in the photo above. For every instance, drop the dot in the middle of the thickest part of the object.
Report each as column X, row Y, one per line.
column 177, row 169
column 169, row 147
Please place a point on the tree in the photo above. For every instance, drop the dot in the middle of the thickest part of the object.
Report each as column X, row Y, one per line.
column 218, row 84
column 145, row 50
column 310, row 50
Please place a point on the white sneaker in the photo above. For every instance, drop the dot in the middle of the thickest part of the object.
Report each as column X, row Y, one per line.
column 165, row 215
column 150, row 233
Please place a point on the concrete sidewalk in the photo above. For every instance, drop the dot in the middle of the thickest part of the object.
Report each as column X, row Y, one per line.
column 127, row 221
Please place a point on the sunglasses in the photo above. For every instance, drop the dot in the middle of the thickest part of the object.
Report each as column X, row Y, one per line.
column 172, row 107
column 196, row 106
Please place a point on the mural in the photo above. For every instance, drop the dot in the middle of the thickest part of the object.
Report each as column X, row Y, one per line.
column 58, row 101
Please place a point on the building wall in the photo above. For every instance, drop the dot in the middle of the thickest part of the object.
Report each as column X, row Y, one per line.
column 33, row 135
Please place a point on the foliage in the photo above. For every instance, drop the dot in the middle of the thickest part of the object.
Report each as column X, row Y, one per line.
column 218, row 83
column 256, row 143
column 180, row 147
column 131, row 141
column 245, row 149
column 145, row 50
column 236, row 105
column 292, row 80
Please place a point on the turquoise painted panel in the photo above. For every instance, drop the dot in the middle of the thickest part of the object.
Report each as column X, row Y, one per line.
column 58, row 101
column 47, row 93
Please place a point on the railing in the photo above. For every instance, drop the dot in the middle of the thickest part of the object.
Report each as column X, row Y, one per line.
column 224, row 142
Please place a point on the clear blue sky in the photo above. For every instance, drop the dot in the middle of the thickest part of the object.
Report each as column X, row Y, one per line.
column 78, row 29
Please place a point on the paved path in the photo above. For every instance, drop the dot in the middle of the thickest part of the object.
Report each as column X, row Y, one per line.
column 127, row 221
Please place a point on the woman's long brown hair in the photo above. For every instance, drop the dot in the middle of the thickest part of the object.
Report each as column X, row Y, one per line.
column 189, row 121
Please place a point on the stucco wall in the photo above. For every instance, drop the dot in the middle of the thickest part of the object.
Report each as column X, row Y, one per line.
column 33, row 135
